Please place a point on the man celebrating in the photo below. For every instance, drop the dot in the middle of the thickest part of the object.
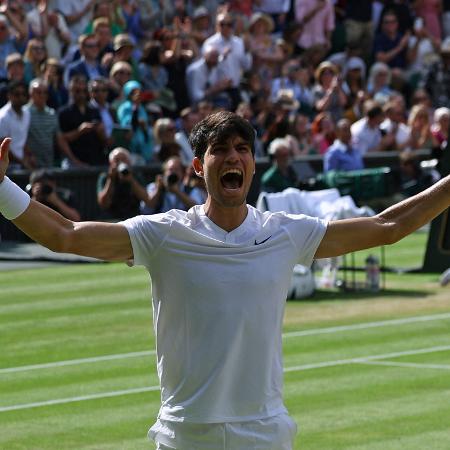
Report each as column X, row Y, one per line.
column 220, row 274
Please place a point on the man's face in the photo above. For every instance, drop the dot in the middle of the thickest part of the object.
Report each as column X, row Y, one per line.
column 16, row 70
column 228, row 170
column 78, row 91
column 174, row 166
column 99, row 92
column 39, row 95
column 18, row 97
column 225, row 24
column 90, row 49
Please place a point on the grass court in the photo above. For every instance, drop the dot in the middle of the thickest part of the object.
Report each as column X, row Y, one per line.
column 363, row 370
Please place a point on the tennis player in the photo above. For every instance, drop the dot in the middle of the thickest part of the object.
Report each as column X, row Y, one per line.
column 220, row 274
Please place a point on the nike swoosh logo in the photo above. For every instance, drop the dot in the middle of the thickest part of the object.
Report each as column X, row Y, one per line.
column 262, row 242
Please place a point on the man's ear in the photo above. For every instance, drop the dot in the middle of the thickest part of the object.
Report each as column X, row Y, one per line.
column 198, row 167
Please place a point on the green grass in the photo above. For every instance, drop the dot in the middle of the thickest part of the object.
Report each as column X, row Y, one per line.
column 83, row 311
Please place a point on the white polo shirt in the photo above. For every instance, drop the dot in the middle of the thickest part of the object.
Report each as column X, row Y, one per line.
column 218, row 306
column 15, row 126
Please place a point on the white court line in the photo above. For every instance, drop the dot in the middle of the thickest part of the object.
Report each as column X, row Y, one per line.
column 312, row 332
column 367, row 325
column 363, row 359
column 72, row 362
column 406, row 364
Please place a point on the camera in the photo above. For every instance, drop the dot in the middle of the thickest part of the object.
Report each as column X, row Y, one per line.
column 123, row 169
column 172, row 179
column 47, row 189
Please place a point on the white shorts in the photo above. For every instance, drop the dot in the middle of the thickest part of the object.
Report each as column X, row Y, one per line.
column 273, row 433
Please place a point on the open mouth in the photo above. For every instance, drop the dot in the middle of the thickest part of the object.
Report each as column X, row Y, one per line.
column 232, row 179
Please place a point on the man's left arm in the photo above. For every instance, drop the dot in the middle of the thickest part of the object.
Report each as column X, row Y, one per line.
column 387, row 227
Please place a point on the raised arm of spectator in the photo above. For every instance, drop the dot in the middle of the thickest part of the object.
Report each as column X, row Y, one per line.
column 106, row 241
column 389, row 226
column 77, row 15
column 64, row 147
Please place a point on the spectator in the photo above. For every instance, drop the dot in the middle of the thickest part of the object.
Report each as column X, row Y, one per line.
column 300, row 137
column 295, row 78
column 430, row 11
column 77, row 13
column 88, row 65
column 440, row 126
column 103, row 34
column 366, row 133
column 359, row 27
column 169, row 191
column 15, row 13
column 119, row 193
column 390, row 45
column 201, row 25
column 393, row 124
column 164, row 131
column 15, row 71
column 98, row 91
column 329, row 95
column 49, row 25
column 82, row 126
column 402, row 9
column 123, row 51
column 278, row 10
column 8, row 45
column 34, row 58
column 420, row 136
column 58, row 96
column 44, row 136
column 280, row 175
column 317, row 21
column 323, row 131
column 233, row 51
column 131, row 113
column 267, row 55
column 189, row 117
column 341, row 155
column 437, row 80
column 119, row 75
column 354, row 87
column 133, row 19
column 15, row 122
column 208, row 79
column 378, row 84
column 110, row 11
column 43, row 188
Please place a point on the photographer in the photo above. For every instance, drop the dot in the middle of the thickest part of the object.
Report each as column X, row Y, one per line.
column 118, row 191
column 43, row 189
column 169, row 191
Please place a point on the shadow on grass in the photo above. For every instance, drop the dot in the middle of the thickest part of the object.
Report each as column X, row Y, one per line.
column 327, row 295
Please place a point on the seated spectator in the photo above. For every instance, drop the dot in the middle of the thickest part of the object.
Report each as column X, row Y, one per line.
column 8, row 44
column 34, row 58
column 378, row 83
column 188, row 118
column 164, row 131
column 267, row 56
column 102, row 32
column 317, row 22
column 43, row 188
column 15, row 68
column 323, row 131
column 58, row 95
column 354, row 87
column 201, row 25
column 82, row 127
column 207, row 79
column 169, row 190
column 300, row 137
column 119, row 193
column 366, row 133
column 440, row 126
column 394, row 124
column 14, row 123
column 44, row 136
column 420, row 135
column 341, row 155
column 88, row 65
column 154, row 76
column 119, row 75
column 98, row 91
column 131, row 113
column 49, row 25
column 281, row 175
column 329, row 95
column 123, row 47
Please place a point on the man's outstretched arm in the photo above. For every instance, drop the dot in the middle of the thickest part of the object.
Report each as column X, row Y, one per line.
column 387, row 227
column 106, row 241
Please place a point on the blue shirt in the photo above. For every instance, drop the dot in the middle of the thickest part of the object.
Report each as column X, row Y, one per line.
column 342, row 157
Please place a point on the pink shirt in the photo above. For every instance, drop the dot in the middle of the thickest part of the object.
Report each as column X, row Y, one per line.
column 314, row 32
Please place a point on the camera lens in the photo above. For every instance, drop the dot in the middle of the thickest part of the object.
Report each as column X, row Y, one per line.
column 172, row 178
column 123, row 169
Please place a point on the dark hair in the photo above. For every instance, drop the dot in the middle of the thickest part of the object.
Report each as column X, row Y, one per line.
column 220, row 126
column 152, row 53
column 14, row 84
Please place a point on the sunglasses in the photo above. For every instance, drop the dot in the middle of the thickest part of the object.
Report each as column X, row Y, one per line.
column 226, row 24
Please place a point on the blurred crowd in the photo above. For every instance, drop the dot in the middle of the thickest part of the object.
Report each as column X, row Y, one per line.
column 85, row 82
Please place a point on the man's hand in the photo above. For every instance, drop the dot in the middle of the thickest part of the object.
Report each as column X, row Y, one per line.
column 4, row 157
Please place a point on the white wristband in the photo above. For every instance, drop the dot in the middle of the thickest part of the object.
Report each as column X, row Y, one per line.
column 13, row 200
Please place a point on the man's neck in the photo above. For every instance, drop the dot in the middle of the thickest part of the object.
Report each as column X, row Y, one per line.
column 227, row 218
